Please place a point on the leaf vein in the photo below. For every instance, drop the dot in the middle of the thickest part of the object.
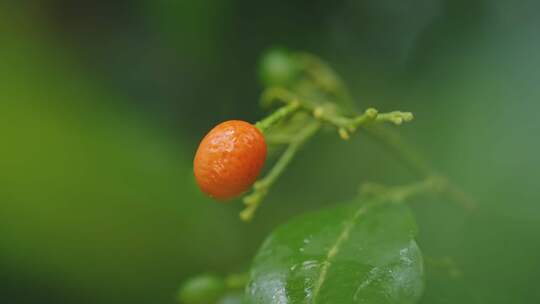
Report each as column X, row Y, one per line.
column 334, row 250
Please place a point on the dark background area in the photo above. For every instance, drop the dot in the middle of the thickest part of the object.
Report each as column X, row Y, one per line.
column 102, row 105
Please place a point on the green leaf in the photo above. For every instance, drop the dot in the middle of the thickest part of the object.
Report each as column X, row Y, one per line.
column 357, row 253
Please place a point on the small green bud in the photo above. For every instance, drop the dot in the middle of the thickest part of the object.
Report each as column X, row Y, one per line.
column 202, row 289
column 343, row 134
column 277, row 67
column 372, row 113
column 318, row 112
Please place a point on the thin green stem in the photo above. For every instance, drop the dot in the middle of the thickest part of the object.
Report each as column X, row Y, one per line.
column 396, row 117
column 261, row 187
column 457, row 195
column 369, row 115
column 399, row 194
column 278, row 116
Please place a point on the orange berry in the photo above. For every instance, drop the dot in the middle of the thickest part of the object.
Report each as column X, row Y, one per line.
column 229, row 159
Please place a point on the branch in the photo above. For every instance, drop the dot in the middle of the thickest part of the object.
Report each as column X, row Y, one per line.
column 278, row 116
column 261, row 187
column 368, row 121
column 327, row 112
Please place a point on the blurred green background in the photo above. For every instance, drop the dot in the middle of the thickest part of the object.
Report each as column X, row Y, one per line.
column 102, row 104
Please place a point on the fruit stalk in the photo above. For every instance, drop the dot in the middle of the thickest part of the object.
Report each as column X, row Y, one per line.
column 278, row 116
column 260, row 188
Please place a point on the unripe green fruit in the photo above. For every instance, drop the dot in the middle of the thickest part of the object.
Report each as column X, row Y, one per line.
column 277, row 67
column 203, row 289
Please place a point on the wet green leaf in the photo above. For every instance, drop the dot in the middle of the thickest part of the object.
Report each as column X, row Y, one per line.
column 357, row 253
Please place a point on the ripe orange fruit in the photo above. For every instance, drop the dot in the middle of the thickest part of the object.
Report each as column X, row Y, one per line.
column 229, row 159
